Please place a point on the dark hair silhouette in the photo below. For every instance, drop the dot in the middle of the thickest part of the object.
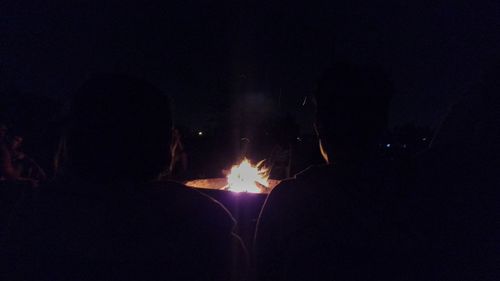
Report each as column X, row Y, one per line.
column 119, row 130
column 352, row 105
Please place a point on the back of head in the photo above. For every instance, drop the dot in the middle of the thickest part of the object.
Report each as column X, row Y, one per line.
column 119, row 130
column 352, row 108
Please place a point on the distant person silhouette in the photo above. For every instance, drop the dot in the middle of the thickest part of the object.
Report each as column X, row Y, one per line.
column 106, row 218
column 7, row 172
column 321, row 224
column 24, row 166
column 179, row 158
column 9, row 192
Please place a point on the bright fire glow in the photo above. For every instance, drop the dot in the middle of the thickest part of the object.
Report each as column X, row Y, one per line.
column 246, row 177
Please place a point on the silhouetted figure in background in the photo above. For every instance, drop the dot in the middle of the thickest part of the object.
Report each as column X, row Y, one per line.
column 24, row 166
column 179, row 163
column 106, row 218
column 322, row 224
column 7, row 172
column 9, row 194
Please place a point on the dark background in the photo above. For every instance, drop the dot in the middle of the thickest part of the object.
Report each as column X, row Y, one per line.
column 246, row 60
column 434, row 49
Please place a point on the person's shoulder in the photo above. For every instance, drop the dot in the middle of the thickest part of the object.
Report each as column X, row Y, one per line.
column 171, row 187
column 192, row 201
column 299, row 187
column 305, row 180
column 179, row 191
column 314, row 172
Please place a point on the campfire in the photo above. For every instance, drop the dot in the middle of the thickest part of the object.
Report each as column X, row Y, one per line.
column 243, row 177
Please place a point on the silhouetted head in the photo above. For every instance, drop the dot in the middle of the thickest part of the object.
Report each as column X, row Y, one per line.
column 16, row 142
column 352, row 106
column 119, row 130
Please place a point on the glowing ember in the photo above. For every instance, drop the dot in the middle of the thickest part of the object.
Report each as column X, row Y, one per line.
column 248, row 178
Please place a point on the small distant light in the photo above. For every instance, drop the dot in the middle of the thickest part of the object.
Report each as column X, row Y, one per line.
column 388, row 145
column 404, row 145
column 200, row 133
column 299, row 139
column 424, row 139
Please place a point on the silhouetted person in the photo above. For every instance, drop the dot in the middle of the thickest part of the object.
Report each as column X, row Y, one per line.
column 24, row 166
column 7, row 172
column 9, row 192
column 179, row 163
column 106, row 218
column 322, row 224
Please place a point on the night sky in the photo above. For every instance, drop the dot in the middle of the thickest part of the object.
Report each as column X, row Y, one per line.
column 435, row 50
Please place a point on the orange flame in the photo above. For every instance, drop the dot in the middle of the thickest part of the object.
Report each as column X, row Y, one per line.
column 246, row 177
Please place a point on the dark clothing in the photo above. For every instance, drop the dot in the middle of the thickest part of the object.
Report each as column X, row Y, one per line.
column 327, row 224
column 86, row 232
column 437, row 222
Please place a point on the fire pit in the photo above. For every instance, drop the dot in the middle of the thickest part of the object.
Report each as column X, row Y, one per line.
column 221, row 184
column 243, row 177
